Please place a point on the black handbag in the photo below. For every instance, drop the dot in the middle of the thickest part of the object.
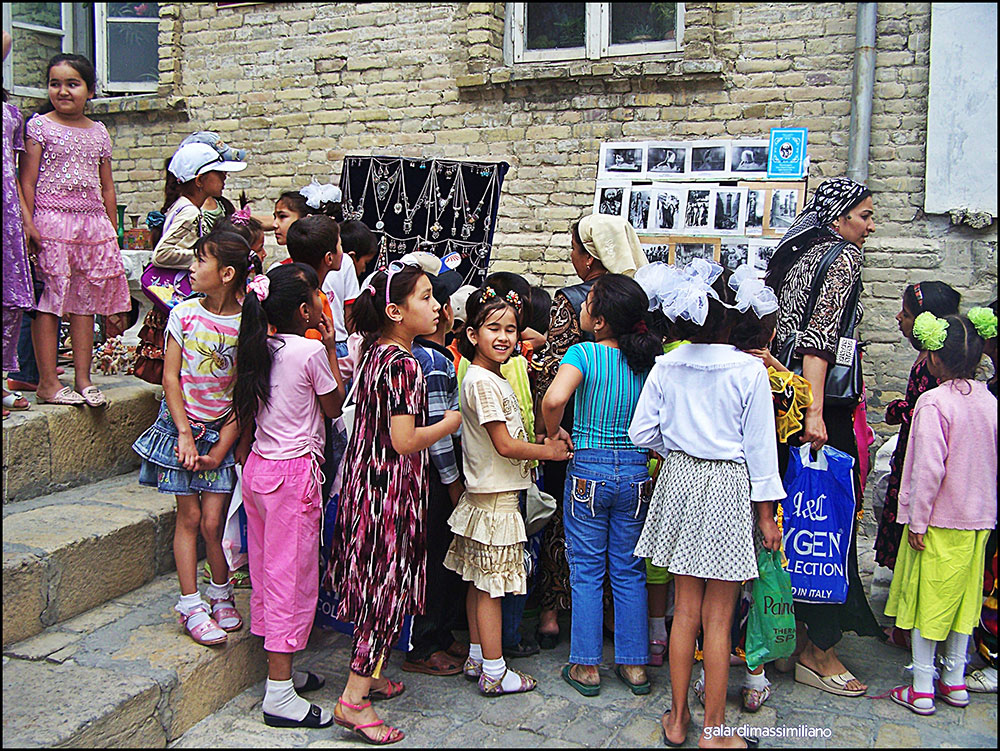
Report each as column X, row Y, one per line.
column 844, row 379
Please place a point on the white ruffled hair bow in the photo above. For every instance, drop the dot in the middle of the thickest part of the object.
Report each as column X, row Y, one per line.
column 752, row 292
column 656, row 280
column 680, row 292
column 316, row 194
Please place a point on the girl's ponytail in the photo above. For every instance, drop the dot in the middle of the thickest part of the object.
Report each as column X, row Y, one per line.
column 368, row 309
column 273, row 303
column 623, row 305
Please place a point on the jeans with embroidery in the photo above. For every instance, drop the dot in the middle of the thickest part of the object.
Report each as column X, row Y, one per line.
column 606, row 498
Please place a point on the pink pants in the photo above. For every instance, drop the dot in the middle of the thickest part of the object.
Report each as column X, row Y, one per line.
column 282, row 501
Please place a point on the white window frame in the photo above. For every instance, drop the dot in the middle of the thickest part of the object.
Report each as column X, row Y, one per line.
column 105, row 84
column 66, row 32
column 597, row 38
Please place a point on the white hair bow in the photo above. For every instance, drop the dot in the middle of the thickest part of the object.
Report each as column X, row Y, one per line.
column 688, row 298
column 316, row 195
column 656, row 280
column 752, row 292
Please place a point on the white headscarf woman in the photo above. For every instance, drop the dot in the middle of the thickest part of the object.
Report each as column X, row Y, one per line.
column 612, row 241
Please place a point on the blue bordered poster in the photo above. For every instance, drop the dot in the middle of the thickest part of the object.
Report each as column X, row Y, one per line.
column 787, row 157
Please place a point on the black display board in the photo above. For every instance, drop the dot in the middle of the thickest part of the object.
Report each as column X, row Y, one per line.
column 442, row 206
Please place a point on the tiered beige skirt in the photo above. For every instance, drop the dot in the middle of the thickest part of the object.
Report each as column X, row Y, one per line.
column 488, row 549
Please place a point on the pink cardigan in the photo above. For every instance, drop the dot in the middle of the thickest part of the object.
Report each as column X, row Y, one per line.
column 950, row 471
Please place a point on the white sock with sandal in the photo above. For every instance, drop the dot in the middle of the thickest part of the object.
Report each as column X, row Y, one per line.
column 281, row 700
column 494, row 669
column 953, row 663
column 923, row 667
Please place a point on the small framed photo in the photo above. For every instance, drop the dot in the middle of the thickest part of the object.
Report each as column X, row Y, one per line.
column 639, row 201
column 656, row 248
column 783, row 205
column 621, row 159
column 698, row 205
column 749, row 158
column 734, row 252
column 667, row 208
column 730, row 210
column 709, row 159
column 756, row 203
column 760, row 253
column 665, row 158
column 611, row 197
column 686, row 249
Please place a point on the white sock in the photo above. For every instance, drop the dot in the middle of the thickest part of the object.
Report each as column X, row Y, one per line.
column 496, row 668
column 657, row 628
column 280, row 699
column 187, row 603
column 953, row 659
column 923, row 667
column 220, row 591
column 476, row 652
column 756, row 680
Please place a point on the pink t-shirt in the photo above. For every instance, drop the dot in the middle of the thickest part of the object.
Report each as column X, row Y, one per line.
column 291, row 425
column 69, row 172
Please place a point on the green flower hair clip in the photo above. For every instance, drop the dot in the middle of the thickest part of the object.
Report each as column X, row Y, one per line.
column 985, row 321
column 930, row 331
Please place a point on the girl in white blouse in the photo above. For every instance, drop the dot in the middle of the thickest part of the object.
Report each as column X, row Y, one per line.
column 706, row 408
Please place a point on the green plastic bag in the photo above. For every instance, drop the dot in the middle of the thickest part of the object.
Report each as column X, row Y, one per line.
column 771, row 628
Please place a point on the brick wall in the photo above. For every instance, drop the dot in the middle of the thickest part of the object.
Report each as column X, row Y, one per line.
column 302, row 84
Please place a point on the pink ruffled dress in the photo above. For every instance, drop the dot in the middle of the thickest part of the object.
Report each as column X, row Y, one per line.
column 79, row 262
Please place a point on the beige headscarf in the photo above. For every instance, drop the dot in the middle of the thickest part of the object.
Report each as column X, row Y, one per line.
column 613, row 242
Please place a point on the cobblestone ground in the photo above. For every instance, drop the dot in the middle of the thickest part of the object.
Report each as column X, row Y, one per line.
column 449, row 712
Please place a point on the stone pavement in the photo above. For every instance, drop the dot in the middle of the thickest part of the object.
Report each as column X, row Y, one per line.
column 449, row 712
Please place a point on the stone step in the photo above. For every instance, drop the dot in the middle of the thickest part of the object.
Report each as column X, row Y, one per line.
column 122, row 674
column 71, row 551
column 48, row 447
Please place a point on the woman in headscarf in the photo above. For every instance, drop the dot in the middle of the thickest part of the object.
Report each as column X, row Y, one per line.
column 602, row 244
column 841, row 209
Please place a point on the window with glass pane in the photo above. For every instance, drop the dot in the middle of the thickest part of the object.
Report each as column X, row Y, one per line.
column 33, row 44
column 48, row 15
column 555, row 25
column 634, row 23
column 132, row 42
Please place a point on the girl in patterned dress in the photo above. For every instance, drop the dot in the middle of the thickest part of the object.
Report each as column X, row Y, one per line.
column 68, row 189
column 706, row 408
column 379, row 544
column 488, row 549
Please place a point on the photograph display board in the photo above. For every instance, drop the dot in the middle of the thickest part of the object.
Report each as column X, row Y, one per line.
column 446, row 207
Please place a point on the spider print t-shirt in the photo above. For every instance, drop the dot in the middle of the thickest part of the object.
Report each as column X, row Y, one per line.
column 208, row 354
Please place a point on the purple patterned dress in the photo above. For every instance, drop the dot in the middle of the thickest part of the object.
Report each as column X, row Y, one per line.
column 17, row 291
column 379, row 553
column 899, row 412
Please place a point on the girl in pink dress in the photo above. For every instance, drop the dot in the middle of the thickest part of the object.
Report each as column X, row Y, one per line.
column 67, row 186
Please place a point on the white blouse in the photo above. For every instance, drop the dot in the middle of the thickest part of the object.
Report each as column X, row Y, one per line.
column 712, row 401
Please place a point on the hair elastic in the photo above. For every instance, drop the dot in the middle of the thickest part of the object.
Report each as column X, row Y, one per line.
column 930, row 331
column 640, row 327
column 512, row 297
column 985, row 321
column 260, row 285
column 241, row 216
column 918, row 294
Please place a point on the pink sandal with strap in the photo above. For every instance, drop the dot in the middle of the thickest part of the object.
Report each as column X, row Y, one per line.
column 945, row 691
column 393, row 736
column 225, row 614
column 200, row 632
column 905, row 696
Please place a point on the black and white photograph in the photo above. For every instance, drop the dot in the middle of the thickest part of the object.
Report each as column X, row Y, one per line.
column 656, row 253
column 618, row 159
column 638, row 209
column 684, row 253
column 611, row 198
column 750, row 156
column 784, row 206
column 734, row 252
column 667, row 208
column 665, row 159
column 710, row 158
column 761, row 251
column 730, row 208
column 696, row 210
column 754, row 224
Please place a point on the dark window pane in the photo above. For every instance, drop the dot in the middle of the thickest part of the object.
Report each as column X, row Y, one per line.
column 133, row 10
column 40, row 14
column 555, row 25
column 133, row 52
column 643, row 22
column 31, row 52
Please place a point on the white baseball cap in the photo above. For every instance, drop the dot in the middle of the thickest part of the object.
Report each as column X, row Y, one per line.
column 193, row 159
column 460, row 300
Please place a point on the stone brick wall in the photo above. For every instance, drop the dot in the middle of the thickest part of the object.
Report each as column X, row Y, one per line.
column 302, row 84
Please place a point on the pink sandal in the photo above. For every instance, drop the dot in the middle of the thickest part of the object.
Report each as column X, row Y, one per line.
column 226, row 615
column 201, row 632
column 945, row 691
column 906, row 696
column 656, row 658
column 393, row 736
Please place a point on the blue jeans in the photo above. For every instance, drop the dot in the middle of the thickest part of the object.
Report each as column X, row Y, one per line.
column 605, row 502
column 25, row 355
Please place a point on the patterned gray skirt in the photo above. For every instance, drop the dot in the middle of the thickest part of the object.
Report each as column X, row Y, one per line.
column 700, row 521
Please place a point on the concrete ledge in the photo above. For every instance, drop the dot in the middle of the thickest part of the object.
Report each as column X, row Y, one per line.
column 123, row 675
column 68, row 552
column 48, row 447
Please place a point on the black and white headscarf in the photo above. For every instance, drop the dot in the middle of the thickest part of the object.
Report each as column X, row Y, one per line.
column 832, row 199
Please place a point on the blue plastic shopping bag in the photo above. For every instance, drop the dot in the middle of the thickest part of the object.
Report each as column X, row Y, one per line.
column 818, row 519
